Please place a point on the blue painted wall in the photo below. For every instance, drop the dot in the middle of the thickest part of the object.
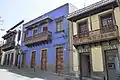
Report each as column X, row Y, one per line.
column 61, row 11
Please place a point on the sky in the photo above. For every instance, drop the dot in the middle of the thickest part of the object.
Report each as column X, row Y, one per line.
column 13, row 11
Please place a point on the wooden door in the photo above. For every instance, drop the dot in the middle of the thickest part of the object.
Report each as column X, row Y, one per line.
column 5, row 59
column 23, row 60
column 59, row 59
column 11, row 62
column 16, row 60
column 44, row 60
column 33, row 59
column 8, row 61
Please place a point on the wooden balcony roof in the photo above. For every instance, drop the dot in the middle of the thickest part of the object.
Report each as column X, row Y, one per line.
column 40, row 21
column 92, row 9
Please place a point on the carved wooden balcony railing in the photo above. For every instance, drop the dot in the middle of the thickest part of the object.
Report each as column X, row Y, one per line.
column 38, row 38
column 8, row 46
column 96, row 36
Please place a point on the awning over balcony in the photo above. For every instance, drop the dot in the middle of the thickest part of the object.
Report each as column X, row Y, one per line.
column 38, row 20
column 10, row 33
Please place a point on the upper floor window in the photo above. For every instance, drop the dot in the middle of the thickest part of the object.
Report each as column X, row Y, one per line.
column 45, row 28
column 59, row 26
column 25, row 35
column 107, row 22
column 35, row 31
column 83, row 28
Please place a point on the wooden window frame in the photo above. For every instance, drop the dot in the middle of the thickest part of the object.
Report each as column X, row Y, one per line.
column 61, row 26
column 78, row 28
column 105, row 14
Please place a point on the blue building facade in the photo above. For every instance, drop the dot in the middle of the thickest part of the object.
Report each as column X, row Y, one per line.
column 45, row 42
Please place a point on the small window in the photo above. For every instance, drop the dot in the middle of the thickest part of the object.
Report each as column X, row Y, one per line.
column 59, row 26
column 35, row 31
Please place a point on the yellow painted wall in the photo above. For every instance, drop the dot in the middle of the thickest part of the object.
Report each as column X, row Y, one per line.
column 74, row 28
column 97, row 60
column 75, row 59
column 117, row 17
column 95, row 22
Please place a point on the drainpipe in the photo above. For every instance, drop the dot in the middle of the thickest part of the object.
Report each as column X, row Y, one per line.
column 70, row 37
column 118, row 2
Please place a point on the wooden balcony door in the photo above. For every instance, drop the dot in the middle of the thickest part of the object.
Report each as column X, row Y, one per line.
column 107, row 23
column 83, row 29
column 44, row 60
column 33, row 59
column 59, row 59
column 45, row 28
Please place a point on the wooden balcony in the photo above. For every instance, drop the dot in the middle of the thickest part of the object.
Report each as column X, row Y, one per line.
column 8, row 46
column 96, row 36
column 38, row 38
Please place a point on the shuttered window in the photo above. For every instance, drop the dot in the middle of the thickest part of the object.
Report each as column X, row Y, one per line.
column 107, row 23
column 83, row 29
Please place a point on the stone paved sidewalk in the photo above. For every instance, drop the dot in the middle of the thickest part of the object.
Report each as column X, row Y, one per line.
column 40, row 74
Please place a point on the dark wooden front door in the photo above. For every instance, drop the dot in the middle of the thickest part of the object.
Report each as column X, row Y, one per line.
column 5, row 60
column 33, row 59
column 59, row 59
column 23, row 60
column 11, row 62
column 8, row 59
column 16, row 60
column 85, row 64
column 44, row 60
